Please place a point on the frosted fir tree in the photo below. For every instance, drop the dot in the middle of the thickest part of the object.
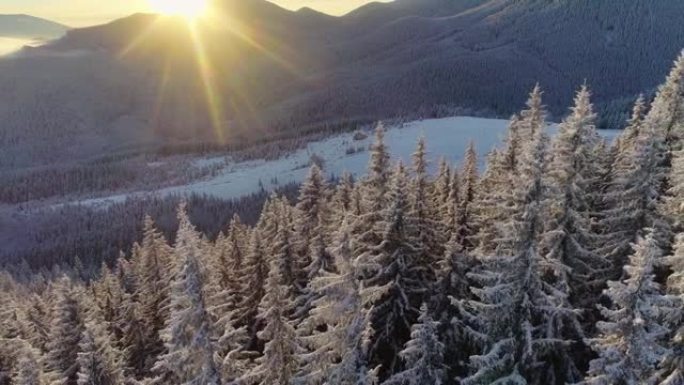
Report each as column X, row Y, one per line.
column 568, row 236
column 135, row 345
column 442, row 186
column 189, row 355
column 99, row 362
column 378, row 177
column 285, row 256
column 486, row 206
column 451, row 291
column 155, row 273
column 334, row 332
column 228, row 294
column 28, row 370
column 634, row 201
column 671, row 369
column 311, row 207
column 399, row 274
column 373, row 197
column 226, row 287
column 109, row 296
column 341, row 201
column 524, row 321
column 469, row 187
column 630, row 342
column 674, row 201
column 627, row 141
column 667, row 111
column 321, row 263
column 427, row 227
column 451, row 209
column 513, row 147
column 228, row 264
column 423, row 356
column 494, row 200
column 65, row 335
column 255, row 274
column 38, row 322
column 278, row 364
column 533, row 118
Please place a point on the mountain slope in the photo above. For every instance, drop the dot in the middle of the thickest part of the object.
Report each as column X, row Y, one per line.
column 258, row 71
column 29, row 27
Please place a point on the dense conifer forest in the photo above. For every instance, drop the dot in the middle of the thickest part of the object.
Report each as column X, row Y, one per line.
column 562, row 262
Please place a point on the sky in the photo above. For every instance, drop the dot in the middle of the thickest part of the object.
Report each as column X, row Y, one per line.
column 89, row 12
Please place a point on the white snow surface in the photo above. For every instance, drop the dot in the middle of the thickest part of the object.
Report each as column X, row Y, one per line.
column 447, row 137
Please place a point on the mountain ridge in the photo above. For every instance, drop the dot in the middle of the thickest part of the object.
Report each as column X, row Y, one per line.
column 276, row 72
column 30, row 27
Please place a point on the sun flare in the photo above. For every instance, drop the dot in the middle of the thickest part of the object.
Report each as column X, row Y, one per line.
column 189, row 9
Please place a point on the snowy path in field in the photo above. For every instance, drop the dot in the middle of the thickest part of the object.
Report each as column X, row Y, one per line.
column 448, row 138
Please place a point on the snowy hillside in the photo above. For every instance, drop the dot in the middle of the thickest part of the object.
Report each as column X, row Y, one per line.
column 448, row 138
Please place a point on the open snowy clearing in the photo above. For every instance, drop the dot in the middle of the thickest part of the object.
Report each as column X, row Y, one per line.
column 447, row 137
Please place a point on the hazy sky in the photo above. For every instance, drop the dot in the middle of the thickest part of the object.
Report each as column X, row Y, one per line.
column 85, row 12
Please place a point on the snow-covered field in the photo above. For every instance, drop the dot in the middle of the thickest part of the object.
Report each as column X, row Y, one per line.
column 448, row 138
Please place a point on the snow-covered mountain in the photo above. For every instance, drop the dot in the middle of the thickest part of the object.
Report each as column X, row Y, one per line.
column 283, row 72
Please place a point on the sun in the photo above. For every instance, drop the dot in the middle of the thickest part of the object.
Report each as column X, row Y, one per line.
column 189, row 9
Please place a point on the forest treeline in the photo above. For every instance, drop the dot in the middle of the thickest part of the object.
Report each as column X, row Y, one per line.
column 560, row 263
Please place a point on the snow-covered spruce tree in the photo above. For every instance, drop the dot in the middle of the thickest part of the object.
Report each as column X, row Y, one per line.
column 278, row 364
column 671, row 371
column 227, row 266
column 152, row 295
column 452, row 207
column 189, row 355
column 523, row 319
column 373, row 193
column 99, row 362
column 428, row 228
column 65, row 334
column 227, row 294
column 465, row 227
column 336, row 352
column 401, row 276
column 442, row 186
column 533, row 118
column 28, row 370
column 285, row 256
column 108, row 294
column 255, row 274
column 513, row 147
column 674, row 201
column 626, row 143
column 485, row 209
column 37, row 322
column 226, row 277
column 377, row 180
column 446, row 303
column 423, row 356
column 633, row 202
column 321, row 263
column 494, row 200
column 310, row 208
column 232, row 355
column 667, row 111
column 630, row 343
column 342, row 199
column 568, row 236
